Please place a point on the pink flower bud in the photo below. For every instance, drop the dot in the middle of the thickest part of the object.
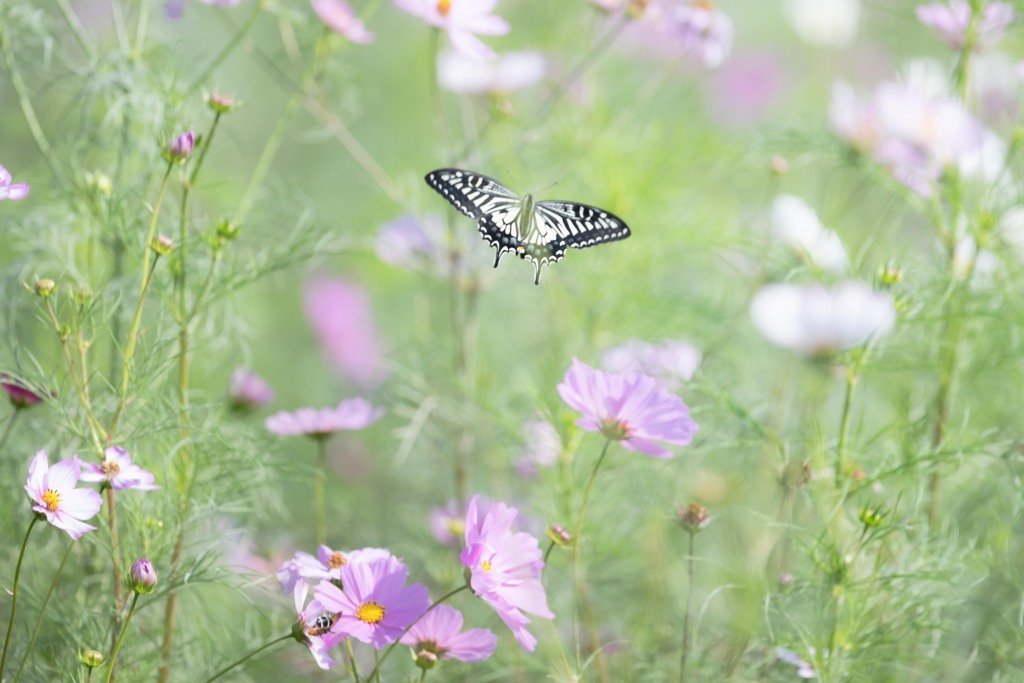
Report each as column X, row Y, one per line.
column 143, row 576
column 181, row 147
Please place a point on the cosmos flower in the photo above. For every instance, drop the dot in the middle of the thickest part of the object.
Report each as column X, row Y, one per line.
column 816, row 321
column 53, row 490
column 824, row 23
column 8, row 191
column 313, row 627
column 703, row 29
column 670, row 362
column 354, row 413
column 117, row 471
column 543, row 445
column 951, row 21
column 803, row 669
column 744, row 90
column 796, row 225
column 248, row 390
column 17, row 392
column 342, row 318
column 461, row 20
column 505, row 567
column 448, row 523
column 507, row 73
column 438, row 632
column 376, row 606
column 326, row 565
column 631, row 409
column 340, row 18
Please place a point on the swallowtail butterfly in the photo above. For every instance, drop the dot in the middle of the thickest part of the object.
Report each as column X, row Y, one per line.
column 538, row 231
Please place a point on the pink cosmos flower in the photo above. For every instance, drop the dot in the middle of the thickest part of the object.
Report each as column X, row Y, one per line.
column 543, row 446
column 704, row 30
column 448, row 523
column 632, row 409
column 670, row 362
column 745, row 89
column 313, row 627
column 505, row 567
column 507, row 73
column 8, row 191
column 952, row 20
column 117, row 471
column 437, row 632
column 354, row 413
column 181, row 147
column 340, row 18
column 421, row 244
column 53, row 490
column 376, row 606
column 326, row 565
column 248, row 390
column 18, row 393
column 461, row 20
column 342, row 318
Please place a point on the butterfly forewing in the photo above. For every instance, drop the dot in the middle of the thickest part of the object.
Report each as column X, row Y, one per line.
column 579, row 225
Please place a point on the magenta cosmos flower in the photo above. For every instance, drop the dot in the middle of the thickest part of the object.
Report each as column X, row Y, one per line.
column 355, row 413
column 632, row 409
column 505, row 567
column 248, row 390
column 18, row 393
column 118, row 471
column 461, row 20
column 339, row 17
column 341, row 315
column 326, row 565
column 8, row 191
column 313, row 627
column 438, row 632
column 53, row 490
column 952, row 19
column 376, row 606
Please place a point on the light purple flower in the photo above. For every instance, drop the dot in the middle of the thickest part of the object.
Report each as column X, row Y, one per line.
column 143, row 576
column 448, row 523
column 952, row 19
column 340, row 18
column 817, row 321
column 421, row 244
column 670, row 362
column 354, row 413
column 118, row 471
column 703, row 29
column 745, row 88
column 313, row 627
column 342, row 318
column 438, row 632
column 543, row 446
column 326, row 565
column 8, row 191
column 18, row 393
column 461, row 20
column 181, row 147
column 631, row 409
column 248, row 390
column 803, row 669
column 507, row 73
column 376, row 606
column 53, row 490
column 505, row 567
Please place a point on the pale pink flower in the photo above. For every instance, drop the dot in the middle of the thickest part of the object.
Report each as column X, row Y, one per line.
column 744, row 89
column 461, row 20
column 342, row 318
column 825, row 23
column 703, row 29
column 313, row 627
column 447, row 523
column 118, row 471
column 248, row 390
column 340, row 18
column 438, row 632
column 507, row 73
column 543, row 445
column 797, row 226
column 53, row 490
column 354, row 413
column 952, row 19
column 670, row 362
column 8, row 191
column 326, row 565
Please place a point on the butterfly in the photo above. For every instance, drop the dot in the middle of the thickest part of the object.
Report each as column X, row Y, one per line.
column 537, row 231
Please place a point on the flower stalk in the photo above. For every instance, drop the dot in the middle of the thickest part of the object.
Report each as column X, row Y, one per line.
column 249, row 656
column 14, row 594
column 120, row 638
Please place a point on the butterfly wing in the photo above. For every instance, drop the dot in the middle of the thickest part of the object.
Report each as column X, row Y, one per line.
column 495, row 207
column 578, row 225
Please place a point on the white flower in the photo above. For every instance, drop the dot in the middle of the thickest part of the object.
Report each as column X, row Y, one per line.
column 824, row 23
column 816, row 321
column 797, row 226
column 507, row 73
column 1011, row 231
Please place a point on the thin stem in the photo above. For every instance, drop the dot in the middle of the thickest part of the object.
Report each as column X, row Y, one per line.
column 423, row 675
column 42, row 612
column 688, row 615
column 246, row 658
column 26, row 104
column 227, row 49
column 120, row 639
column 318, row 490
column 376, row 669
column 140, row 28
column 14, row 595
column 76, row 28
column 352, row 660
column 95, row 429
column 844, row 428
column 115, row 552
column 9, row 428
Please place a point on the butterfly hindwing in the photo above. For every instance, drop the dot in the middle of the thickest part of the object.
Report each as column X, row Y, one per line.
column 580, row 225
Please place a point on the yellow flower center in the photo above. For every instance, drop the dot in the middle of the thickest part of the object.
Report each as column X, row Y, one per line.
column 444, row 7
column 337, row 560
column 616, row 430
column 51, row 499
column 370, row 612
column 704, row 4
column 457, row 526
column 487, row 566
column 110, row 469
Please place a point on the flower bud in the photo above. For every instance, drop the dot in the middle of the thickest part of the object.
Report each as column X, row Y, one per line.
column 558, row 535
column 869, row 517
column 779, row 165
column 693, row 517
column 91, row 658
column 786, row 581
column 221, row 103
column 19, row 395
column 228, row 230
column 45, row 287
column 100, row 182
column 425, row 659
column 143, row 576
column 181, row 147
column 162, row 245
column 889, row 275
column 83, row 295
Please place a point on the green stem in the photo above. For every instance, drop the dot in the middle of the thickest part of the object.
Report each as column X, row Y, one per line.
column 688, row 615
column 95, row 429
column 26, row 104
column 352, row 660
column 120, row 639
column 318, row 490
column 226, row 50
column 140, row 28
column 115, row 551
column 844, row 429
column 246, row 658
column 14, row 595
column 42, row 612
column 76, row 28
column 376, row 669
column 9, row 428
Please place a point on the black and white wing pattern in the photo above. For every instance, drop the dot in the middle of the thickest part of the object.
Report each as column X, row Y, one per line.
column 537, row 231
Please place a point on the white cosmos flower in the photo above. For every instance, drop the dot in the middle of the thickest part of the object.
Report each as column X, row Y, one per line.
column 797, row 226
column 507, row 73
column 816, row 321
column 824, row 23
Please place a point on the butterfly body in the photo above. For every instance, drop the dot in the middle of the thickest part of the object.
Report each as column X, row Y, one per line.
column 536, row 231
